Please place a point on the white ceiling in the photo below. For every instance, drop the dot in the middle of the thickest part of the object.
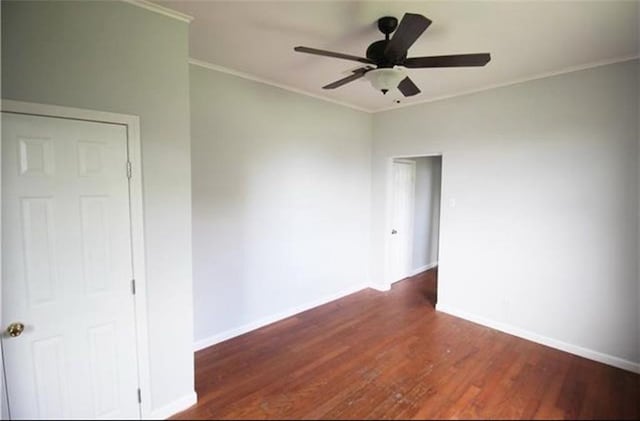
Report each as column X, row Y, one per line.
column 526, row 39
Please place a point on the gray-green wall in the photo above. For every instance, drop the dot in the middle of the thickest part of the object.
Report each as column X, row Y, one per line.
column 281, row 196
column 113, row 56
column 539, row 222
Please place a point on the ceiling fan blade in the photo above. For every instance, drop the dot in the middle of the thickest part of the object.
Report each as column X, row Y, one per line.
column 458, row 60
column 332, row 54
column 410, row 28
column 407, row 87
column 357, row 74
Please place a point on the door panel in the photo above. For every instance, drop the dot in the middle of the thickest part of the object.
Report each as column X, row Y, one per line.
column 37, row 241
column 403, row 185
column 67, row 269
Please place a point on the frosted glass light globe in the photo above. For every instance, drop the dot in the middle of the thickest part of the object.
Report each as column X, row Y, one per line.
column 385, row 79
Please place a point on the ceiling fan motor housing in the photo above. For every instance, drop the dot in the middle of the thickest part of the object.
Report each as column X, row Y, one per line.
column 375, row 53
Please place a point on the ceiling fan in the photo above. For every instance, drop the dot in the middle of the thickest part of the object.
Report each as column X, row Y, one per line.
column 387, row 54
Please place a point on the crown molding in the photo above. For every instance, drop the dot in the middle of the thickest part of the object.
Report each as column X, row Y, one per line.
column 243, row 75
column 145, row 4
column 571, row 69
column 515, row 82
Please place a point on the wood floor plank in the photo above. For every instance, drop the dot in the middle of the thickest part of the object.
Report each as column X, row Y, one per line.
column 375, row 355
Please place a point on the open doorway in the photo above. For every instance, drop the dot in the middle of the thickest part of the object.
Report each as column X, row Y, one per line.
column 414, row 220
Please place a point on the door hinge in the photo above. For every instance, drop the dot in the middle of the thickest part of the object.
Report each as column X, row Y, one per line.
column 139, row 396
column 129, row 169
column 133, row 286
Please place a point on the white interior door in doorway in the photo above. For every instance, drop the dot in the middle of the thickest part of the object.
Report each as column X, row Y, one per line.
column 402, row 202
column 69, row 345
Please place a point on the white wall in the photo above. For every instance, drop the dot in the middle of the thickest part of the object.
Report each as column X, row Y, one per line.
column 113, row 56
column 426, row 212
column 539, row 228
column 281, row 202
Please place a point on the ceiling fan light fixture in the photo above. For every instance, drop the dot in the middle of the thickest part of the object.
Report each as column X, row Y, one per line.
column 385, row 79
column 392, row 51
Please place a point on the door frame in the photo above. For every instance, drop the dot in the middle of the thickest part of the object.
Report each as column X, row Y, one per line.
column 389, row 210
column 136, row 212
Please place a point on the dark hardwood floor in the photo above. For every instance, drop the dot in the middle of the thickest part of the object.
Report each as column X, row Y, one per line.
column 375, row 355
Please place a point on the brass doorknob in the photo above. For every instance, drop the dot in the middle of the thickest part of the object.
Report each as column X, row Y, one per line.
column 15, row 329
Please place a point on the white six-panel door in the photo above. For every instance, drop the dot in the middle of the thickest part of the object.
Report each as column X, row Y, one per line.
column 67, row 269
column 402, row 202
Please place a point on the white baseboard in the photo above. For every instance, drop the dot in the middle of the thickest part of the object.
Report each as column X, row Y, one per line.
column 381, row 288
column 423, row 268
column 231, row 333
column 174, row 407
column 541, row 339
